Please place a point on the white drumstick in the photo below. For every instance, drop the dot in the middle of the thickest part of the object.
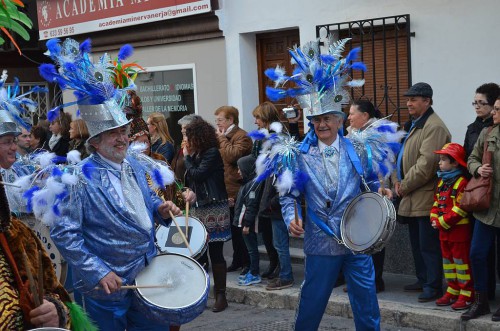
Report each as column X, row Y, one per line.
column 132, row 287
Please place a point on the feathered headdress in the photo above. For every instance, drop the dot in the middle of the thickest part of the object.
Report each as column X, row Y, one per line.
column 319, row 81
column 15, row 108
column 93, row 84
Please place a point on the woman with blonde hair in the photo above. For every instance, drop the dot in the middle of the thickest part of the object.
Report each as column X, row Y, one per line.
column 162, row 142
column 78, row 133
column 59, row 141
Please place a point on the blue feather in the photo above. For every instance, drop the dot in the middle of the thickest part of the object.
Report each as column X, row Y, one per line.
column 59, row 159
column 87, row 170
column 55, row 209
column 386, row 128
column 56, row 172
column 395, row 147
column 294, row 92
column 53, row 46
column 157, row 177
column 48, row 72
column 125, row 51
column 78, row 113
column 28, row 196
column 353, row 54
column 86, row 46
column 266, row 173
column 275, row 94
column 52, row 114
column 257, row 135
column 328, row 59
column 359, row 66
column 271, row 74
column 300, row 180
column 62, row 195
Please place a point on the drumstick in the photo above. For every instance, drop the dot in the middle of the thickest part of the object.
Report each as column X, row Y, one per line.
column 10, row 184
column 40, row 276
column 187, row 218
column 180, row 232
column 132, row 287
column 36, row 298
column 296, row 210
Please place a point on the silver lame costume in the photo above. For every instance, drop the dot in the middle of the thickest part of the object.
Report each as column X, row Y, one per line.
column 97, row 234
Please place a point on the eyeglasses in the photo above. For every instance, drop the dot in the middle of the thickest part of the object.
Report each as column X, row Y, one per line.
column 326, row 119
column 479, row 103
column 220, row 120
column 9, row 142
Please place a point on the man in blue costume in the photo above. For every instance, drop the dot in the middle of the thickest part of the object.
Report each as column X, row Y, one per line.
column 333, row 166
column 106, row 231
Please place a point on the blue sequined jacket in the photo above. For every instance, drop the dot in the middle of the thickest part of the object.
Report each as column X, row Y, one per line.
column 317, row 242
column 96, row 234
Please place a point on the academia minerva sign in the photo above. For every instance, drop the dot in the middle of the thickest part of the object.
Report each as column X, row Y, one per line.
column 61, row 18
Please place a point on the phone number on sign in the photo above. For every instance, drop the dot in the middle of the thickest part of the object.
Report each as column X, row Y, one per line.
column 61, row 31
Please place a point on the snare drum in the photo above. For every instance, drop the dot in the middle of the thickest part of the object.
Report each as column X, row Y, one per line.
column 168, row 239
column 185, row 295
column 368, row 223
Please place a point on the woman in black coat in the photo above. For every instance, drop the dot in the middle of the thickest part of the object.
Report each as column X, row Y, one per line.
column 205, row 176
column 59, row 141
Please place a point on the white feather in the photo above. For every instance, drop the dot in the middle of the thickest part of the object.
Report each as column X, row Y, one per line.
column 74, row 156
column 138, row 147
column 356, row 83
column 260, row 164
column 54, row 186
column 284, row 183
column 24, row 182
column 45, row 159
column 69, row 179
column 276, row 127
column 167, row 175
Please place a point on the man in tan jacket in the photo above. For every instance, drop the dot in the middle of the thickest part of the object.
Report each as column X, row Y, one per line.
column 415, row 185
column 234, row 144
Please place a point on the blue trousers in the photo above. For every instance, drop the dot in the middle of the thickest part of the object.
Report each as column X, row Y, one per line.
column 119, row 315
column 426, row 250
column 253, row 250
column 321, row 273
column 281, row 243
column 483, row 238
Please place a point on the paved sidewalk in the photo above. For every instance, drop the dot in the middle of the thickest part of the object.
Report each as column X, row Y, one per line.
column 398, row 308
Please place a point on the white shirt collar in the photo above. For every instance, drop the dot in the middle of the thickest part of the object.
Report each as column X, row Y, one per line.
column 335, row 144
column 114, row 165
column 232, row 126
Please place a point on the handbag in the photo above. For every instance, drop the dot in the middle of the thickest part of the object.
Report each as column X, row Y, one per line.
column 477, row 193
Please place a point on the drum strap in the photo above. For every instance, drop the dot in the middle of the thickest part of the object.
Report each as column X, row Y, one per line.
column 322, row 225
column 356, row 162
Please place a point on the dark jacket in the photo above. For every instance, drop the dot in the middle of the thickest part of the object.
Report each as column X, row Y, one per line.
column 79, row 145
column 473, row 131
column 167, row 150
column 205, row 176
column 61, row 148
column 249, row 193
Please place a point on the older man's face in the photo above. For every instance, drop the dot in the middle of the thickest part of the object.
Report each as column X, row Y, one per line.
column 326, row 127
column 113, row 144
column 8, row 148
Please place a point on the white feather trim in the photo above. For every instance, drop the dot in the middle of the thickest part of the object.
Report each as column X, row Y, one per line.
column 276, row 127
column 138, row 147
column 69, row 179
column 284, row 183
column 74, row 156
column 45, row 159
column 260, row 164
column 24, row 182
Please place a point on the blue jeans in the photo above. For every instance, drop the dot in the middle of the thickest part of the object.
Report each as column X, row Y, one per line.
column 281, row 243
column 119, row 315
column 253, row 250
column 426, row 250
column 321, row 272
column 483, row 238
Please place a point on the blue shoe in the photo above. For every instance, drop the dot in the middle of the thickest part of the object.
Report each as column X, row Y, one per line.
column 249, row 280
column 242, row 277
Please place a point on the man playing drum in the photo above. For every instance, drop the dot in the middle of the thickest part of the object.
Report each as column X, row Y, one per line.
column 329, row 162
column 106, row 226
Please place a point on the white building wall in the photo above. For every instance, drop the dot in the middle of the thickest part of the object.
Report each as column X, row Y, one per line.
column 455, row 47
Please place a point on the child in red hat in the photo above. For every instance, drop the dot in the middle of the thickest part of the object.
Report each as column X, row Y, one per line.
column 455, row 228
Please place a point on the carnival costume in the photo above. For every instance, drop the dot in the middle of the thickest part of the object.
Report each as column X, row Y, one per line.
column 455, row 231
column 329, row 180
column 95, row 218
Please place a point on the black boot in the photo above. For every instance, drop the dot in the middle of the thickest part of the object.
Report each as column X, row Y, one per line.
column 270, row 269
column 479, row 307
column 219, row 272
column 496, row 316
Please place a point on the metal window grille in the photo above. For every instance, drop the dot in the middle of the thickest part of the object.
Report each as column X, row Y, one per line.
column 42, row 99
column 385, row 49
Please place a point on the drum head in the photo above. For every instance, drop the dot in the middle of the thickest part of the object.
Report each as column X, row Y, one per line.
column 170, row 241
column 364, row 221
column 60, row 267
column 185, row 280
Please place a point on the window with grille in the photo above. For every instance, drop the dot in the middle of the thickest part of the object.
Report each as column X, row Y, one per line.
column 385, row 49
